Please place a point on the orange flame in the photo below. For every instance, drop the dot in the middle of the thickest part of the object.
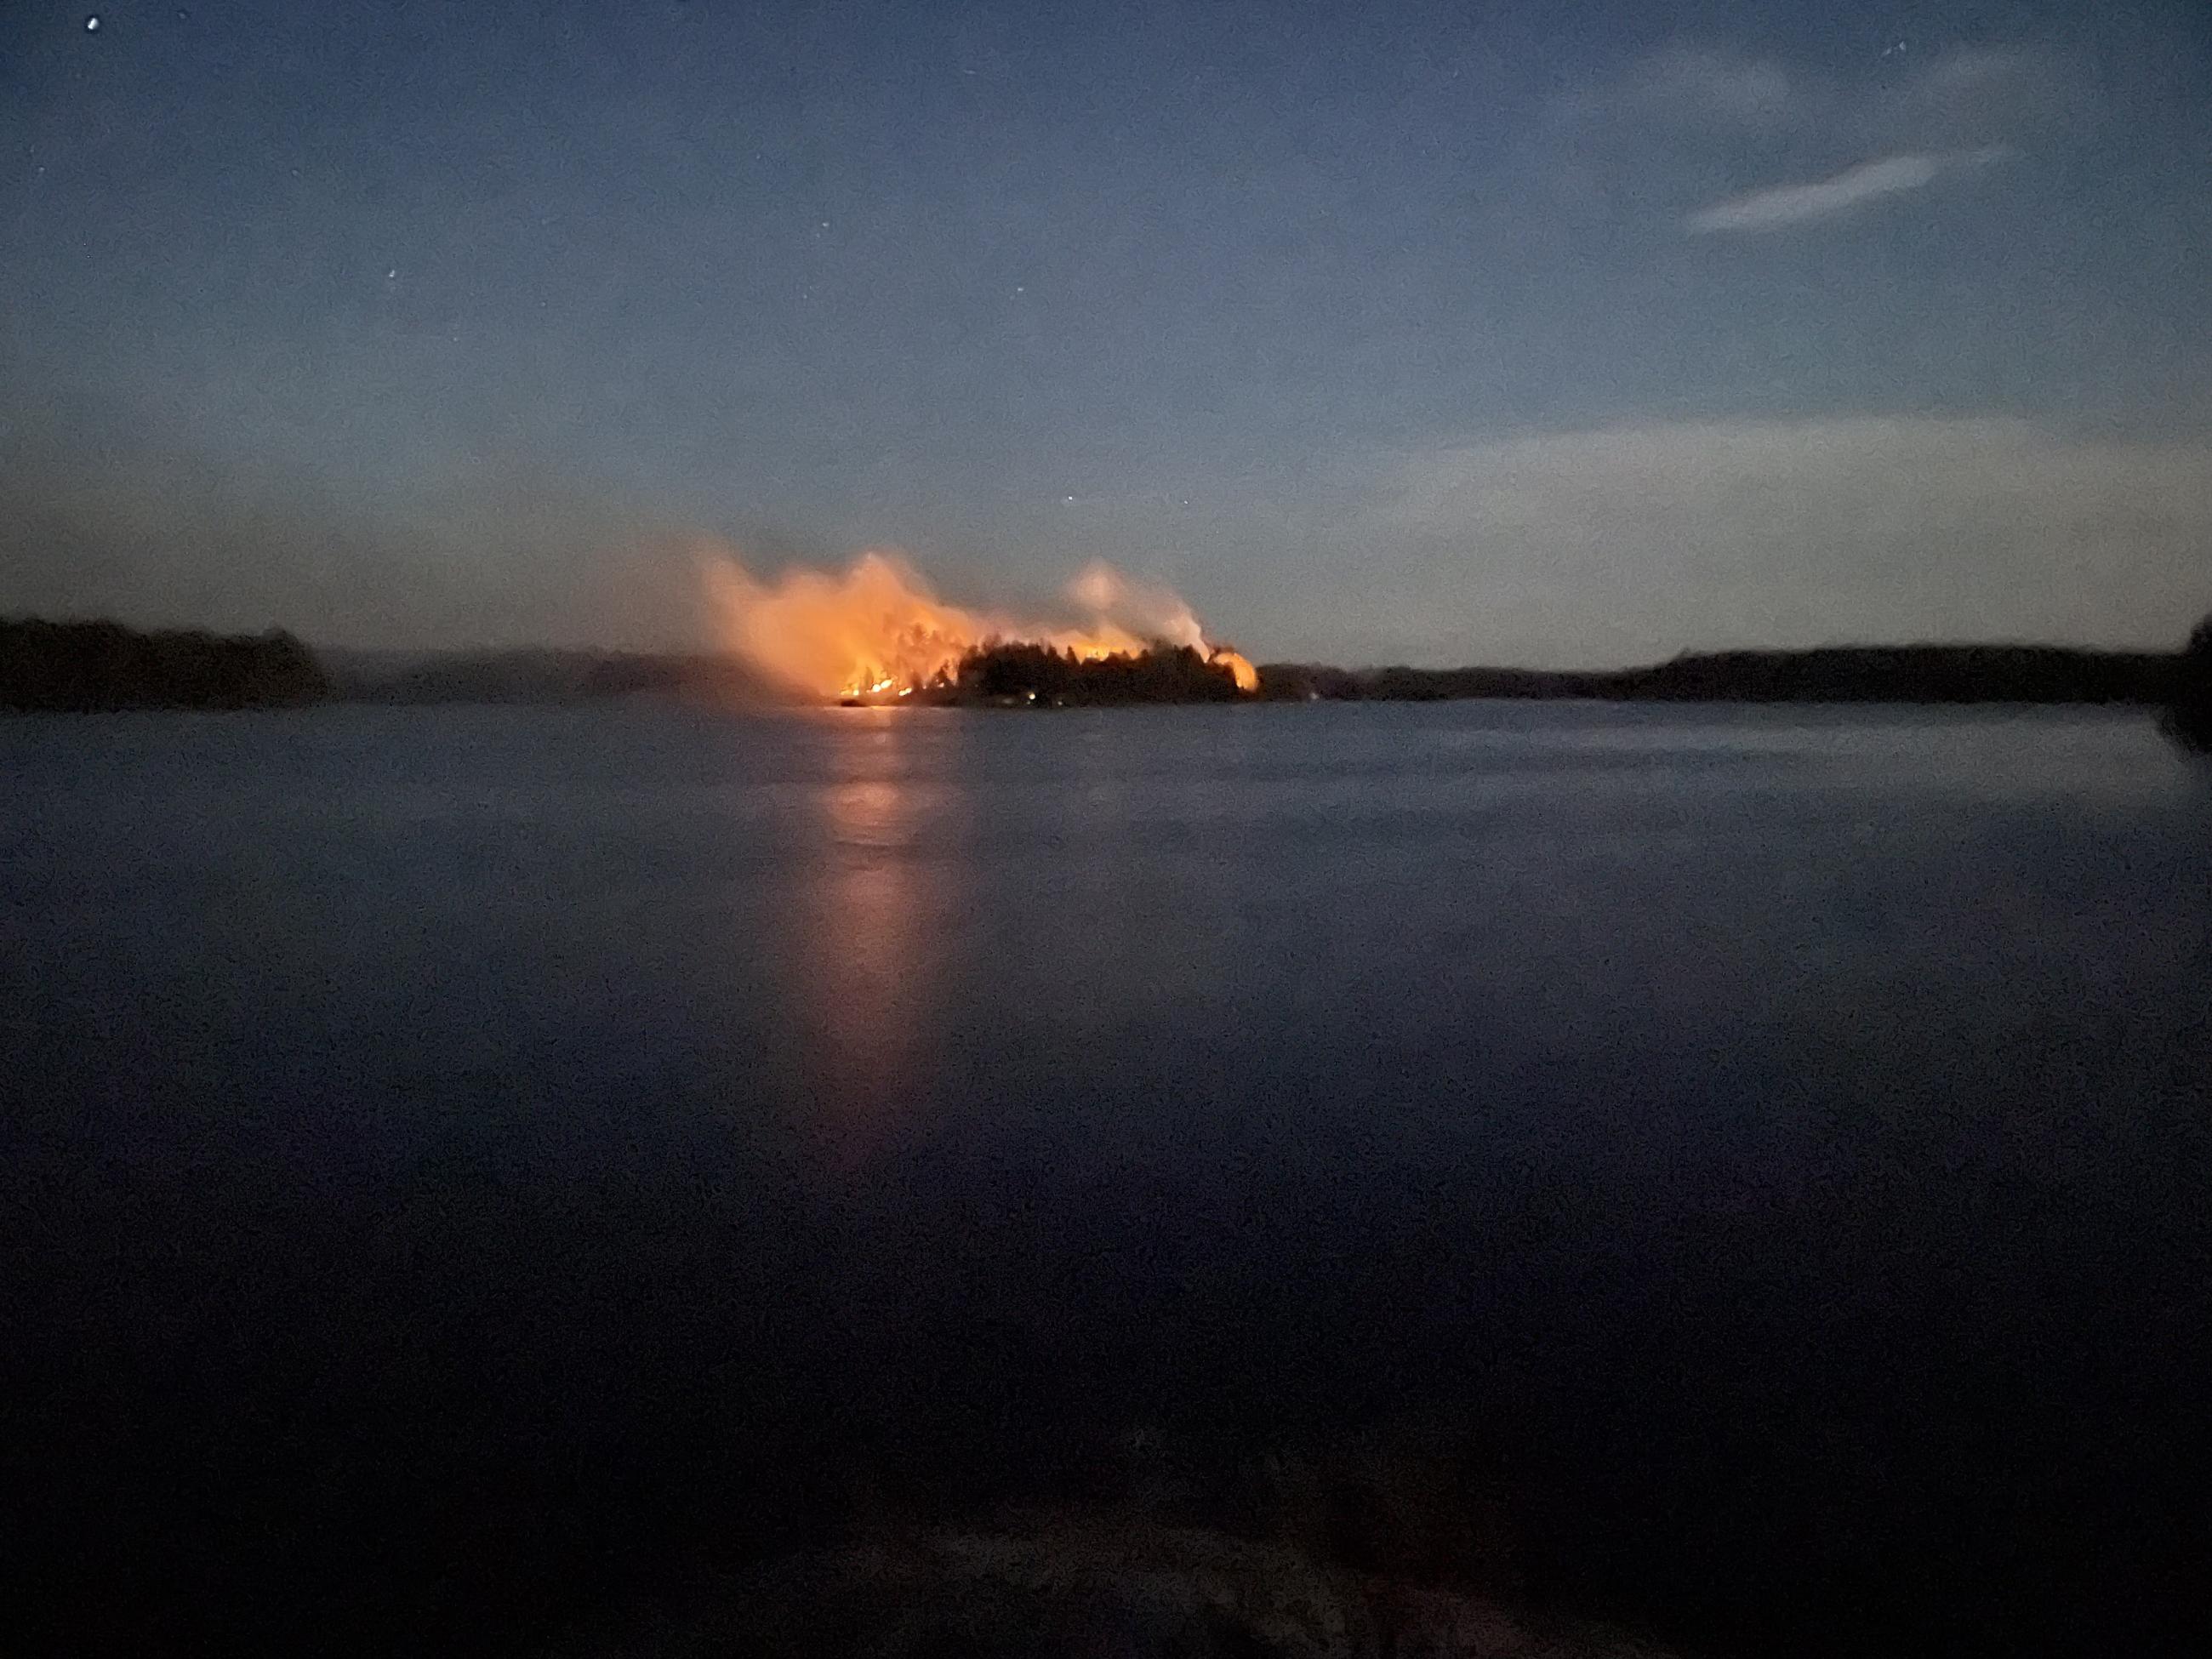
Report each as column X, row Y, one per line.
column 876, row 630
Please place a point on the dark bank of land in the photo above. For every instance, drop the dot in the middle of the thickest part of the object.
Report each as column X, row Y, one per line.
column 1855, row 673
column 536, row 675
column 87, row 665
column 106, row 665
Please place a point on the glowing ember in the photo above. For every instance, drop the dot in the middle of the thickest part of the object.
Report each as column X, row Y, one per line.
column 878, row 631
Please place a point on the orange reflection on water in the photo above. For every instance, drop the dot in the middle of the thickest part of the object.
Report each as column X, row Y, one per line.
column 870, row 922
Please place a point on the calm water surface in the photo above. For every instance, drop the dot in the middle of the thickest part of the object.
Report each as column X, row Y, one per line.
column 462, row 1160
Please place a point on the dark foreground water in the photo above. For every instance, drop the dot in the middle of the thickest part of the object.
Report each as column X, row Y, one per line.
column 466, row 1166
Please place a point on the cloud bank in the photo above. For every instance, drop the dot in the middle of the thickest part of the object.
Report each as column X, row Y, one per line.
column 95, row 521
column 1631, row 542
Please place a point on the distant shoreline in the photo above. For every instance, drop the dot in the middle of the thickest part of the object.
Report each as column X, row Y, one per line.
column 96, row 666
column 1928, row 674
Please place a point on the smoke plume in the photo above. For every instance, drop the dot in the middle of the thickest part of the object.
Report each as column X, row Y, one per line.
column 877, row 629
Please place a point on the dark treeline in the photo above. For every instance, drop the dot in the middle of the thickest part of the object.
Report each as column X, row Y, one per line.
column 1902, row 673
column 104, row 665
column 1009, row 672
column 537, row 676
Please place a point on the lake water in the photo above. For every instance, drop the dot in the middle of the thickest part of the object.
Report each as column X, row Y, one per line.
column 460, row 1161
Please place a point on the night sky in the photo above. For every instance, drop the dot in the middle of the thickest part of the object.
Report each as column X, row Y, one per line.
column 1549, row 333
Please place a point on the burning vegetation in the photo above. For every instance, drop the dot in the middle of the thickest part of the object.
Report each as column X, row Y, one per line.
column 877, row 633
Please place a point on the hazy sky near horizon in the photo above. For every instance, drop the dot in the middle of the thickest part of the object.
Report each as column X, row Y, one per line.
column 1569, row 333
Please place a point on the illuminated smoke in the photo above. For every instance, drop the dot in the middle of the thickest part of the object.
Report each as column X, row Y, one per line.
column 1158, row 613
column 875, row 630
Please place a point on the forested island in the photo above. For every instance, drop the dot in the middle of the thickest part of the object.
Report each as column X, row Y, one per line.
column 1012, row 673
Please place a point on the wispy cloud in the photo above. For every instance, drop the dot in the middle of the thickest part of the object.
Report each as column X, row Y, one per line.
column 1979, row 95
column 1695, row 88
column 1779, row 205
column 1687, row 131
column 1689, row 93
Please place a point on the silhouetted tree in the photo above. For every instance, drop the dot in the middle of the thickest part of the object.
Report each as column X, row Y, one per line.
column 2189, row 719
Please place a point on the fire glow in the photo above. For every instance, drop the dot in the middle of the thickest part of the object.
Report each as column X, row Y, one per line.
column 877, row 633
